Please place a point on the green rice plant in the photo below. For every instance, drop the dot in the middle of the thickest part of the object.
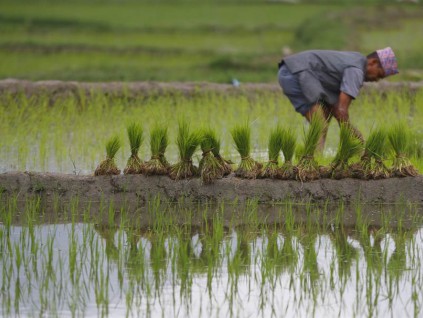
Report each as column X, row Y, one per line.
column 307, row 168
column 226, row 164
column 158, row 164
column 108, row 166
column 288, row 143
column 349, row 146
column 374, row 147
column 210, row 167
column 248, row 168
column 134, row 164
column 187, row 144
column 399, row 137
column 271, row 170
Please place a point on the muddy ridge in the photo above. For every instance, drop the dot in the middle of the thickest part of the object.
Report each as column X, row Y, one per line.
column 140, row 188
column 62, row 88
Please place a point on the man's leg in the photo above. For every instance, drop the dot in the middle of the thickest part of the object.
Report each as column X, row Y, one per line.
column 327, row 114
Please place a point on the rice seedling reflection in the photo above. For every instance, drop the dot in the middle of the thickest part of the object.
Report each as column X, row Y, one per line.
column 204, row 258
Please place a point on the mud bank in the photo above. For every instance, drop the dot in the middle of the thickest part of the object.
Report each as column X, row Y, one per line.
column 139, row 188
column 59, row 196
column 56, row 89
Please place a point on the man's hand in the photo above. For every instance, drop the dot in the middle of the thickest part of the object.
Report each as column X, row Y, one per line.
column 340, row 112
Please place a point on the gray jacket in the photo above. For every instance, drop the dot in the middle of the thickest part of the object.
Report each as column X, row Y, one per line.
column 324, row 74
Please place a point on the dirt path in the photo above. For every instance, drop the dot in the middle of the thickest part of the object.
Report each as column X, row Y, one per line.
column 139, row 188
column 59, row 88
column 59, row 196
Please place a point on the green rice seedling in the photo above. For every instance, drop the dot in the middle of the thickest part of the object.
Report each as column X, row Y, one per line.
column 288, row 143
column 187, row 144
column 248, row 168
column 377, row 150
column 108, row 166
column 134, row 164
column 399, row 137
column 271, row 170
column 210, row 167
column 307, row 168
column 226, row 164
column 158, row 164
column 349, row 146
column 373, row 148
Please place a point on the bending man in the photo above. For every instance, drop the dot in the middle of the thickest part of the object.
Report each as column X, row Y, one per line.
column 331, row 79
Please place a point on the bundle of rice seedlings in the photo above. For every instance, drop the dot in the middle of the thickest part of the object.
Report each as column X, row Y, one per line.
column 271, row 169
column 248, row 168
column 226, row 164
column 308, row 168
column 210, row 167
column 374, row 148
column 399, row 137
column 108, row 166
column 158, row 164
column 187, row 144
column 349, row 146
column 134, row 164
column 288, row 171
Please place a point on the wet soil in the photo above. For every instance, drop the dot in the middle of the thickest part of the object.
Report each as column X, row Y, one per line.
column 140, row 188
column 56, row 89
column 135, row 193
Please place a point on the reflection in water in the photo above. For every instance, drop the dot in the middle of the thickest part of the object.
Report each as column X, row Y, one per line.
column 210, row 267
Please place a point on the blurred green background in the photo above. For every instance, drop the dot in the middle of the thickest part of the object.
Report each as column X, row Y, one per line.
column 214, row 41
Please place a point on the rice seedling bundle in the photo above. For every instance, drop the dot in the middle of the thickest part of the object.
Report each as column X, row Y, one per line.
column 108, row 166
column 376, row 147
column 399, row 137
column 248, row 167
column 210, row 167
column 374, row 150
column 349, row 146
column 134, row 164
column 158, row 164
column 307, row 168
column 187, row 143
column 271, row 170
column 226, row 164
column 288, row 171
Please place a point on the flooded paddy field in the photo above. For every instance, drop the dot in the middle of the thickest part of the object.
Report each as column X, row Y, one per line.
column 132, row 245
column 75, row 245
column 210, row 260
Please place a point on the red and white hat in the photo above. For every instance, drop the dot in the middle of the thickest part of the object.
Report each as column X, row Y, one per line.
column 388, row 61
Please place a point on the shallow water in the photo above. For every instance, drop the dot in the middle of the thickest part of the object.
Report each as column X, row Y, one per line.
column 210, row 269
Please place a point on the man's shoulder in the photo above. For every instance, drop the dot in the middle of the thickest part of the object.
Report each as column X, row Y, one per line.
column 324, row 53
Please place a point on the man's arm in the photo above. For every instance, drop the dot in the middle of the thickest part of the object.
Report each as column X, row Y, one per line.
column 340, row 112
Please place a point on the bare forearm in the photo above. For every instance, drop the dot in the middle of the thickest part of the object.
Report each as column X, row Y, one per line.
column 340, row 112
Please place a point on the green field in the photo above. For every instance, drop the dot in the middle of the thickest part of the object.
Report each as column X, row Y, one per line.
column 193, row 41
column 63, row 255
column 69, row 135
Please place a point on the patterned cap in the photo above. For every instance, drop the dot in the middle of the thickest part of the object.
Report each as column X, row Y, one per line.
column 388, row 60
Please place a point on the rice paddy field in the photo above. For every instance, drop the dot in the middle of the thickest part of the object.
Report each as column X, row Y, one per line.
column 214, row 41
column 198, row 260
column 238, row 258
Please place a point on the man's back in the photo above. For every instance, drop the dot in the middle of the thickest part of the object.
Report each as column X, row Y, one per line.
column 323, row 74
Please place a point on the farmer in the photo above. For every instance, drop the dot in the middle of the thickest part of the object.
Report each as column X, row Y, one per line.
column 331, row 79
